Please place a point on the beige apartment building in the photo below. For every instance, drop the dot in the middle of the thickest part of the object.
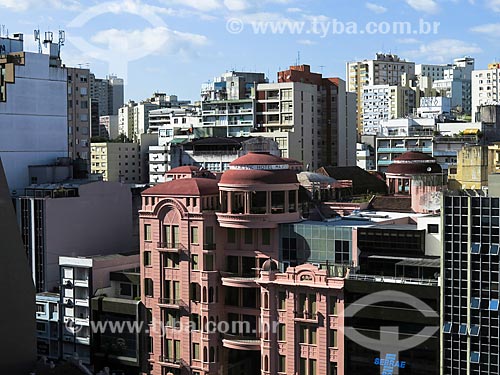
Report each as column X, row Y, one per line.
column 117, row 162
column 386, row 69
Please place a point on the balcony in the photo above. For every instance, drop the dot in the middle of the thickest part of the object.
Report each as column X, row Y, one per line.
column 307, row 317
column 170, row 361
column 172, row 303
column 241, row 342
column 170, row 247
column 209, row 247
column 235, row 281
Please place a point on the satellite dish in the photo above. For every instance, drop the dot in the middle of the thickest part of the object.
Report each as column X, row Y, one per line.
column 429, row 169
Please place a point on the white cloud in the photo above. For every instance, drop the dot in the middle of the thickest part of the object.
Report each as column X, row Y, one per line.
column 425, row 6
column 491, row 29
column 375, row 8
column 408, row 41
column 443, row 50
column 294, row 10
column 493, row 5
column 24, row 5
column 200, row 5
column 307, row 42
column 236, row 5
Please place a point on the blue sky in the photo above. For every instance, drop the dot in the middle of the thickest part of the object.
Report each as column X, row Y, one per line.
column 174, row 46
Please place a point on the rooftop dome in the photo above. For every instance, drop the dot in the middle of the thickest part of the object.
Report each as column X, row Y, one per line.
column 269, row 265
column 185, row 187
column 412, row 163
column 257, row 168
column 258, row 158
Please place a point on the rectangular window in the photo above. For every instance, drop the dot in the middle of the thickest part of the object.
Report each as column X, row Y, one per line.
column 209, row 236
column 196, row 350
column 303, row 334
column 281, row 332
column 447, row 327
column 125, row 289
column 148, row 287
column 333, row 338
column 282, row 301
column 312, row 367
column 433, row 228
column 40, row 308
column 312, row 335
column 248, row 236
column 266, row 236
column 208, row 262
column 147, row 232
column 147, row 258
column 282, row 363
column 194, row 235
column 231, row 235
column 332, row 306
column 175, row 236
column 194, row 262
column 493, row 305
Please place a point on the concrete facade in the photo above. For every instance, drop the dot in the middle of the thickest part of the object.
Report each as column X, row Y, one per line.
column 33, row 114
column 117, row 162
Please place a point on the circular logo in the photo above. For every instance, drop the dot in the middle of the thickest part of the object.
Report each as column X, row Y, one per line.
column 235, row 26
column 72, row 327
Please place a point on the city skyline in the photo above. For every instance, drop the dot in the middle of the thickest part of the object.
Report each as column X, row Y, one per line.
column 184, row 44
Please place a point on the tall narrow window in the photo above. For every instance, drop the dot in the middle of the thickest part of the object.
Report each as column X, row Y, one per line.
column 194, row 235
column 147, row 232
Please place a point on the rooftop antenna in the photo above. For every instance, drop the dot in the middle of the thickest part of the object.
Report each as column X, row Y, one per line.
column 2, row 31
column 36, row 34
column 322, row 67
column 298, row 58
column 62, row 39
column 49, row 37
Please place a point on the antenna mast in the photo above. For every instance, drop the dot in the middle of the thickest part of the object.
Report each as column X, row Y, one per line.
column 36, row 33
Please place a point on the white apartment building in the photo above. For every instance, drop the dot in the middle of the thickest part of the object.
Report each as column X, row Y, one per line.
column 117, row 162
column 384, row 102
column 47, row 325
column 485, row 87
column 33, row 110
column 386, row 69
column 80, row 278
column 434, row 71
column 456, row 84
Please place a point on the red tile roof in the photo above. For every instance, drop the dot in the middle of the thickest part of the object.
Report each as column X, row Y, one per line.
column 185, row 187
column 258, row 158
column 184, row 169
column 258, row 177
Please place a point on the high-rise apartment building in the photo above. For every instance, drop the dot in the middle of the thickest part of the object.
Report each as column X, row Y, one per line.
column 485, row 87
column 117, row 162
column 470, row 284
column 386, row 69
column 33, row 110
column 109, row 92
column 79, row 120
column 310, row 117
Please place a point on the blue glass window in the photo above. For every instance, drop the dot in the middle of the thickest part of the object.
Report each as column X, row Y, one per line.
column 494, row 305
column 447, row 327
column 463, row 329
column 494, row 250
column 475, row 249
column 474, row 357
column 474, row 330
column 475, row 303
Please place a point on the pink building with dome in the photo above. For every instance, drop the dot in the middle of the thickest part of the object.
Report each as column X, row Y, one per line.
column 211, row 281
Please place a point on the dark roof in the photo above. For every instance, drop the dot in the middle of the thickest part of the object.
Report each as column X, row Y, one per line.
column 184, row 169
column 391, row 204
column 185, row 186
column 413, row 162
column 237, row 141
column 258, row 177
column 258, row 158
column 362, row 181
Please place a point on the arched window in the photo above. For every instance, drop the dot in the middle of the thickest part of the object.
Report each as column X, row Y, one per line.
column 266, row 300
column 204, row 294
column 205, row 354
column 266, row 363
